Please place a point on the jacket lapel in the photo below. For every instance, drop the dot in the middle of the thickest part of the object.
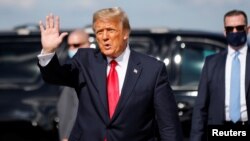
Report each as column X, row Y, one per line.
column 247, row 79
column 219, row 82
column 98, row 74
column 133, row 72
column 221, row 75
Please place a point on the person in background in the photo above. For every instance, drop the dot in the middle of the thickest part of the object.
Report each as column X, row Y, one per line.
column 123, row 95
column 78, row 38
column 223, row 94
column 68, row 102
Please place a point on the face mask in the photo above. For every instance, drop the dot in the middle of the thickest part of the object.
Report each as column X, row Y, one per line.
column 236, row 39
column 71, row 53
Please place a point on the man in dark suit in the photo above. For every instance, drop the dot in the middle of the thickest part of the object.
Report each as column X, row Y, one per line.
column 123, row 95
column 68, row 102
column 220, row 85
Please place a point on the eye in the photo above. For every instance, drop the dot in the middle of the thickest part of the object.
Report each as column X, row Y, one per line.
column 98, row 33
column 111, row 30
column 239, row 28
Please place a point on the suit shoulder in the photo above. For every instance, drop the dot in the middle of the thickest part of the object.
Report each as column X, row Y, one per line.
column 215, row 61
column 148, row 59
column 85, row 52
column 215, row 56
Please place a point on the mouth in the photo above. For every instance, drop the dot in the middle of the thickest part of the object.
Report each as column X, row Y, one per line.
column 107, row 46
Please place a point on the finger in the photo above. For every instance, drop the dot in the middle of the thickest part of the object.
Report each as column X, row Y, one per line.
column 51, row 21
column 41, row 26
column 47, row 22
column 57, row 23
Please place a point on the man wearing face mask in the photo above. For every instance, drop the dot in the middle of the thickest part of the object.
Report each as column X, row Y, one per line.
column 78, row 38
column 223, row 94
column 68, row 102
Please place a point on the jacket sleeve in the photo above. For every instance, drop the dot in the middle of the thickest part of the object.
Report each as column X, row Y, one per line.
column 55, row 73
column 200, row 111
column 166, row 109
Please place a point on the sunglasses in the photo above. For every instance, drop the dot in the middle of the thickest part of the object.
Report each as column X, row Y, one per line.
column 238, row 28
column 75, row 45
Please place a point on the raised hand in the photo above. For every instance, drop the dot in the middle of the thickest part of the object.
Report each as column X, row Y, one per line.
column 50, row 36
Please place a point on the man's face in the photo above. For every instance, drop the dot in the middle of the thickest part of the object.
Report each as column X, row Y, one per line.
column 235, row 24
column 76, row 41
column 111, row 37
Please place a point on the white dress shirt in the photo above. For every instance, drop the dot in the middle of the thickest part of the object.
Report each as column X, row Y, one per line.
column 44, row 59
column 242, row 58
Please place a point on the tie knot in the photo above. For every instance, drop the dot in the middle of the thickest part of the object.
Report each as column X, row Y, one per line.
column 113, row 64
column 236, row 54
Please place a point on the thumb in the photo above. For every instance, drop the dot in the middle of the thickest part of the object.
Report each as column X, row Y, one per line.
column 63, row 35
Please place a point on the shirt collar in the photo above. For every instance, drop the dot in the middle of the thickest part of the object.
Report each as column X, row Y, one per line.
column 123, row 58
column 242, row 50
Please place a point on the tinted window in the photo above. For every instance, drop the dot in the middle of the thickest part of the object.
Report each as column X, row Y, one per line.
column 187, row 61
column 144, row 45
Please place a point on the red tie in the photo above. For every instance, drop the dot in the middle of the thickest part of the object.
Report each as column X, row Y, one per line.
column 113, row 88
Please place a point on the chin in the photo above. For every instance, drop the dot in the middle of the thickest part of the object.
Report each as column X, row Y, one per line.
column 108, row 53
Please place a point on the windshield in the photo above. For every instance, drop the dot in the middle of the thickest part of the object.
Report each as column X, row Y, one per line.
column 187, row 60
column 183, row 56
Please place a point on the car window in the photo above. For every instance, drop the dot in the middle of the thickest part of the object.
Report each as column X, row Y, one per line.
column 187, row 61
column 144, row 45
column 191, row 59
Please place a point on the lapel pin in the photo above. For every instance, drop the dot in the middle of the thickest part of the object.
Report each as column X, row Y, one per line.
column 135, row 71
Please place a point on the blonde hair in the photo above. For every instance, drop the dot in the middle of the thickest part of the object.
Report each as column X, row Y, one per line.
column 112, row 13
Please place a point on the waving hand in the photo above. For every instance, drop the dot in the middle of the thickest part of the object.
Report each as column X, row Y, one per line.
column 50, row 36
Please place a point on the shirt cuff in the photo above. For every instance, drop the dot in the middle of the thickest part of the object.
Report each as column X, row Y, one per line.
column 44, row 59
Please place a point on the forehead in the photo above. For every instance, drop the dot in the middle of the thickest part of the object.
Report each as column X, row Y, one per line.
column 107, row 23
column 75, row 38
column 235, row 20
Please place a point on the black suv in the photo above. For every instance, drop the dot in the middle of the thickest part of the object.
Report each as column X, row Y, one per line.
column 28, row 104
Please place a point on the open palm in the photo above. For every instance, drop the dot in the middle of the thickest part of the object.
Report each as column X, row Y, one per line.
column 50, row 34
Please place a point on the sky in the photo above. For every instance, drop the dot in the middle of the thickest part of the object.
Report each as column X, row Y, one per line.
column 173, row 14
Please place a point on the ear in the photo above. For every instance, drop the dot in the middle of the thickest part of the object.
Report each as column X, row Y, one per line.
column 248, row 29
column 126, row 35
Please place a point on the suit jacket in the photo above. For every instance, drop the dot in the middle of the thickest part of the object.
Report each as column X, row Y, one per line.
column 146, row 102
column 67, row 110
column 210, row 102
column 67, row 107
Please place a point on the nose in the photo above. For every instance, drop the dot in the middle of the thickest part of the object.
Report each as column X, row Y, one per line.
column 105, row 35
column 234, row 29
